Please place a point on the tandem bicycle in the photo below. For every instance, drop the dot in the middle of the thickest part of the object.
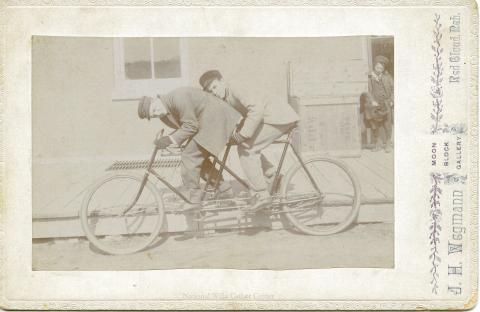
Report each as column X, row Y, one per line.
column 125, row 213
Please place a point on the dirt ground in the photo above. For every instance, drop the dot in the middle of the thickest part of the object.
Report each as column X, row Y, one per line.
column 368, row 245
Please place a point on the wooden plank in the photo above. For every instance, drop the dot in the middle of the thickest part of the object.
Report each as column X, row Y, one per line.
column 376, row 213
column 64, row 203
column 327, row 77
column 376, row 163
column 64, row 223
column 65, row 182
column 71, row 185
column 71, row 227
column 328, row 67
column 323, row 100
column 384, row 160
column 368, row 182
column 340, row 154
column 348, row 75
column 334, row 89
column 72, row 197
column 381, row 182
column 317, row 122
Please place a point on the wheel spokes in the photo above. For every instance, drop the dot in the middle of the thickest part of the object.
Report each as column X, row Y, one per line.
column 326, row 212
column 116, row 223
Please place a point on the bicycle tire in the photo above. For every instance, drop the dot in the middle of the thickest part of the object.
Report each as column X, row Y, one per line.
column 355, row 197
column 157, row 215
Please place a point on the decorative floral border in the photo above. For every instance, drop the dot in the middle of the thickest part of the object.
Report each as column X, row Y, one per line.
column 436, row 90
column 436, row 218
column 454, row 128
column 452, row 178
column 435, row 229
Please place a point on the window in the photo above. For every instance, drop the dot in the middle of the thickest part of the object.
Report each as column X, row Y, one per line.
column 148, row 66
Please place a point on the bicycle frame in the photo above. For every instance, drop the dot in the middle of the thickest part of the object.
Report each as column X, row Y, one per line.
column 273, row 191
column 287, row 142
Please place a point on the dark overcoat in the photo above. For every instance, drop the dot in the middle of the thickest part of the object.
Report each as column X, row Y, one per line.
column 382, row 88
column 200, row 116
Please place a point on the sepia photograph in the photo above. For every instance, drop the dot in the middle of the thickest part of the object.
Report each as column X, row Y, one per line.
column 239, row 155
column 155, row 153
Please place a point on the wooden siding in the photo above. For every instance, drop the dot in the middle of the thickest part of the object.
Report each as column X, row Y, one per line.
column 55, row 213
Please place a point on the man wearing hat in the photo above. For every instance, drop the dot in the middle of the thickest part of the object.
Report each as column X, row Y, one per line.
column 380, row 85
column 201, row 119
column 265, row 119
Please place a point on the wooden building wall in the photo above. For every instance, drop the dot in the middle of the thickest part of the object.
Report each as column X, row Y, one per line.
column 325, row 91
column 78, row 130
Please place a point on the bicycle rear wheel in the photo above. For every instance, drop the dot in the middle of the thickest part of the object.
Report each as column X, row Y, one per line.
column 105, row 222
column 323, row 201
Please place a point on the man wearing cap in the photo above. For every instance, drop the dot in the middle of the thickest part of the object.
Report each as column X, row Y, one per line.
column 265, row 119
column 380, row 85
column 201, row 119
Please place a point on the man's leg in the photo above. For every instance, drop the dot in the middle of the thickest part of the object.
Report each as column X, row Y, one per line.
column 387, row 126
column 193, row 157
column 268, row 168
column 250, row 155
column 210, row 174
column 376, row 138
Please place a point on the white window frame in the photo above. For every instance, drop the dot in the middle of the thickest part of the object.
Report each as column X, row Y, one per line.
column 133, row 89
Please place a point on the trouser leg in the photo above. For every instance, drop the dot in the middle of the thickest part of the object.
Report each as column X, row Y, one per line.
column 208, row 172
column 376, row 139
column 387, row 123
column 375, row 136
column 193, row 157
column 267, row 167
column 250, row 153
column 196, row 164
column 381, row 133
column 251, row 165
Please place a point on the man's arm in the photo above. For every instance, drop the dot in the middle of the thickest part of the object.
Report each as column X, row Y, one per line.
column 188, row 122
column 255, row 110
column 167, row 122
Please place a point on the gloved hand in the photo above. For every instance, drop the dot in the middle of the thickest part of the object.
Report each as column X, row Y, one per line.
column 237, row 138
column 163, row 142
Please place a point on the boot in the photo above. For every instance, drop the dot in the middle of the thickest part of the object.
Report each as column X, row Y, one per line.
column 225, row 191
column 270, row 172
column 196, row 197
column 377, row 147
column 259, row 200
column 388, row 147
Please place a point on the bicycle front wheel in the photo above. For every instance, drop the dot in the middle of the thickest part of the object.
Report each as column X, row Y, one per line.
column 115, row 220
column 322, row 197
